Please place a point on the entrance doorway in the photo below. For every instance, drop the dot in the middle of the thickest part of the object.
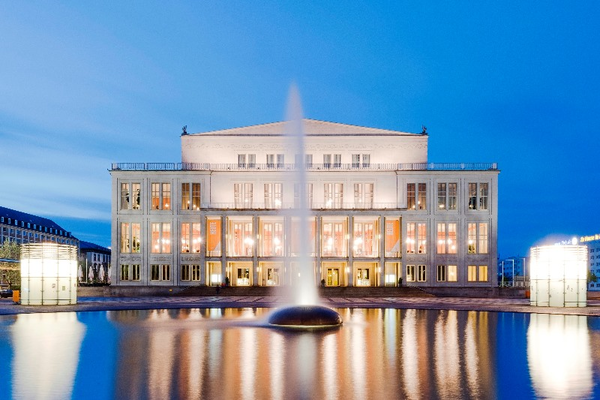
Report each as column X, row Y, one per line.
column 333, row 277
column 241, row 273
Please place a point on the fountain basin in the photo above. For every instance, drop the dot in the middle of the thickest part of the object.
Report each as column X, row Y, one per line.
column 305, row 317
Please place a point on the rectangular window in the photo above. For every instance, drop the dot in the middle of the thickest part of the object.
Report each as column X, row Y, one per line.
column 411, row 196
column 334, row 239
column 243, row 195
column 125, row 203
column 410, row 273
column 416, row 196
column 280, row 160
column 161, row 237
column 161, row 196
column 452, row 196
column 190, row 196
column 273, row 195
column 241, row 239
column 422, row 238
column 392, row 237
column 472, row 273
column 308, row 195
column 270, row 160
column 130, row 272
column 190, row 272
column 483, row 273
column 130, row 196
column 446, row 238
column 421, row 273
column 355, row 160
column 422, row 196
column 334, row 195
column 124, row 272
column 365, row 240
column 483, row 196
column 442, row 195
column 241, row 161
column 337, row 160
column 441, row 273
column 190, row 237
column 213, row 237
column 363, row 195
column 326, row 160
column 446, row 196
column 309, row 160
column 411, row 237
column 130, row 237
column 272, row 239
column 478, row 196
column 160, row 272
column 477, row 238
column 452, row 273
column 366, row 160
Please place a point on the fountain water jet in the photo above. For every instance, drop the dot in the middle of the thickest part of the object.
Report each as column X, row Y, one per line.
column 305, row 311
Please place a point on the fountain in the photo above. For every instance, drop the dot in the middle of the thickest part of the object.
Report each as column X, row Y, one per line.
column 305, row 313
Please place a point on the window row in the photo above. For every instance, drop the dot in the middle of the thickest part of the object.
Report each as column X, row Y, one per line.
column 334, row 235
column 447, row 273
column 160, row 196
column 329, row 160
column 447, row 196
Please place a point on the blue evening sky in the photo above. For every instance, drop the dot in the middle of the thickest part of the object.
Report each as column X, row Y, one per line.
column 87, row 83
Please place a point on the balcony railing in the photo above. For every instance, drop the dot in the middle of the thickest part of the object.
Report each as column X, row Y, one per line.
column 312, row 167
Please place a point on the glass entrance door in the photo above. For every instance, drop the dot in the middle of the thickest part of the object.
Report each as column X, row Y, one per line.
column 272, row 276
column 333, row 277
column 243, row 277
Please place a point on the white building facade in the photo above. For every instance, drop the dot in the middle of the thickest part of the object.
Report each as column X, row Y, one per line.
column 380, row 213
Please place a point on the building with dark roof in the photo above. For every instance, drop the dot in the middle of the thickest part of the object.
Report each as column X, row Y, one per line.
column 21, row 228
column 94, row 263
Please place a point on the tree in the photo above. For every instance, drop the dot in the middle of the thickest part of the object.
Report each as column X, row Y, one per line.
column 591, row 277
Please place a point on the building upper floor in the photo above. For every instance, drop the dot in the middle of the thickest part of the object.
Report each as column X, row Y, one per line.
column 22, row 227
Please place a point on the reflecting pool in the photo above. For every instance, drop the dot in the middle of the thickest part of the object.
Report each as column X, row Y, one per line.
column 231, row 354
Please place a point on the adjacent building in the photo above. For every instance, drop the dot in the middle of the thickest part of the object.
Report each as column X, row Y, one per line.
column 380, row 213
column 593, row 244
column 21, row 228
column 94, row 263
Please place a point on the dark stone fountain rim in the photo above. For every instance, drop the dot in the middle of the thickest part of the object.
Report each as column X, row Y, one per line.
column 305, row 317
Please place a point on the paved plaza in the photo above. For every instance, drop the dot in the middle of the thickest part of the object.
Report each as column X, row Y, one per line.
column 7, row 307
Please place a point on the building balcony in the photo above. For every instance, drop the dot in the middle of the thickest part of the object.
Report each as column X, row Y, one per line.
column 312, row 167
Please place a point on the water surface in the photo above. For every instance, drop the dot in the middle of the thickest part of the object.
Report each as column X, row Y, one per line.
column 230, row 354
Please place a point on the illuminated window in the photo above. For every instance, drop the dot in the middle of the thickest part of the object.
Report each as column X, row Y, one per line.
column 446, row 238
column 130, row 237
column 478, row 196
column 190, row 196
column 365, row 239
column 161, row 196
column 130, row 196
column 243, row 195
column 333, row 238
column 416, row 196
column 472, row 273
column 477, row 238
column 363, row 195
column 410, row 273
column 483, row 273
column 446, row 196
column 241, row 239
column 334, row 195
column 190, row 237
column 161, row 237
column 411, row 237
column 160, row 272
column 273, row 195
column 271, row 235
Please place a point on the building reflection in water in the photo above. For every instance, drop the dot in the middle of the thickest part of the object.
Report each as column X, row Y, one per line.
column 559, row 356
column 46, row 354
column 378, row 353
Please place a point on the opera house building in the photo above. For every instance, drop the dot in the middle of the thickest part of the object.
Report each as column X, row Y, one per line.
column 380, row 214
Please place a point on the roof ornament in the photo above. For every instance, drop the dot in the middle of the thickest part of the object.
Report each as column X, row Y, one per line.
column 184, row 129
column 424, row 130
